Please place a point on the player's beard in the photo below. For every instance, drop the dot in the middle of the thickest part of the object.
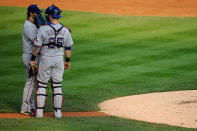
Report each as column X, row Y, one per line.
column 34, row 17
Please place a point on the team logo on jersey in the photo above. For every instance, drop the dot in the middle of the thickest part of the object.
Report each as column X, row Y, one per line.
column 50, row 32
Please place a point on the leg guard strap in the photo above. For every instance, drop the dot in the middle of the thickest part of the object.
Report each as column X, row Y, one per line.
column 56, row 84
column 57, row 87
column 57, row 108
column 41, row 95
column 42, row 82
column 40, row 107
column 42, row 85
column 57, row 94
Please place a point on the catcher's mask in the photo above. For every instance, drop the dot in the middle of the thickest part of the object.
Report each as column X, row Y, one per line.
column 54, row 11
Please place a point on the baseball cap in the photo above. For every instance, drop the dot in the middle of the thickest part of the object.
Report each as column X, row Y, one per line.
column 34, row 9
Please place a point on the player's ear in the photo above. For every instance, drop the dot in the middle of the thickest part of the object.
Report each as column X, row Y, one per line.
column 50, row 16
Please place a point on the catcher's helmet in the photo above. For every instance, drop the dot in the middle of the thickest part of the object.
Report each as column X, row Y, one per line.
column 34, row 9
column 54, row 11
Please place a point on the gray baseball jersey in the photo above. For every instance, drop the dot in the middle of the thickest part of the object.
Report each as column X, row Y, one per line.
column 46, row 34
column 28, row 36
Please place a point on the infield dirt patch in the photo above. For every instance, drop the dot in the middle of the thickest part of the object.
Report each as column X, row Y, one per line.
column 178, row 108
column 123, row 7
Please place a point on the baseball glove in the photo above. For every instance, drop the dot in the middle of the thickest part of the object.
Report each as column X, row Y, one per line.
column 33, row 70
column 39, row 20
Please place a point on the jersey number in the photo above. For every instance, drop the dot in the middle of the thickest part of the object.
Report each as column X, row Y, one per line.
column 59, row 42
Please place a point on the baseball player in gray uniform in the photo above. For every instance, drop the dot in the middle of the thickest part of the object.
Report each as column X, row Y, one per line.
column 50, row 43
column 28, row 36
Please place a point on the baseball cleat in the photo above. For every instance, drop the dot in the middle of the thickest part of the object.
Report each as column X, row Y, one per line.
column 58, row 113
column 39, row 113
column 32, row 112
column 25, row 112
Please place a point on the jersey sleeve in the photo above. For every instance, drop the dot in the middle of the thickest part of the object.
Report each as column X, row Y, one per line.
column 68, row 42
column 30, row 32
column 39, row 39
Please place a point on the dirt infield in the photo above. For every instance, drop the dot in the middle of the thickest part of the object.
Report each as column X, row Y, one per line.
column 124, row 7
column 50, row 114
column 178, row 108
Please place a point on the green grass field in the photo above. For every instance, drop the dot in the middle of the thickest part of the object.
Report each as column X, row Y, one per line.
column 113, row 56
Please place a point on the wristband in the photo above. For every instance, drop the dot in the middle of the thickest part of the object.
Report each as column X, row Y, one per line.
column 68, row 48
column 67, row 59
column 33, row 57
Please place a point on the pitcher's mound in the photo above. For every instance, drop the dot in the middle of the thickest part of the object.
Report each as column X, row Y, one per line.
column 178, row 108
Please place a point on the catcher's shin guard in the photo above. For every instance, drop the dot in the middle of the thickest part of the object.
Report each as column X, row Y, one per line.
column 40, row 98
column 57, row 99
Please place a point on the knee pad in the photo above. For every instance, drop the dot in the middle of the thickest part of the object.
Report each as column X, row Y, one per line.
column 41, row 95
column 57, row 95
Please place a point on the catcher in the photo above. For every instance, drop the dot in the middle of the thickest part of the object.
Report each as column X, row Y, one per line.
column 30, row 29
column 52, row 41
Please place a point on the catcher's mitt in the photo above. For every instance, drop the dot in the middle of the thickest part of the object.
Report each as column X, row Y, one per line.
column 33, row 70
column 39, row 20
